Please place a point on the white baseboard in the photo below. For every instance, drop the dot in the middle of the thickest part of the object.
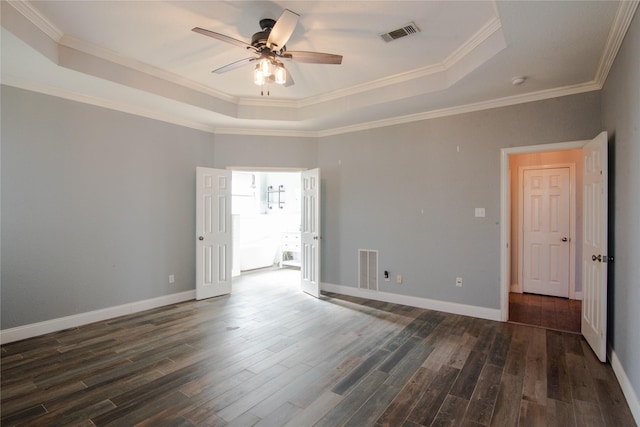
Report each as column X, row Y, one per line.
column 430, row 304
column 625, row 385
column 35, row 329
column 515, row 287
column 577, row 295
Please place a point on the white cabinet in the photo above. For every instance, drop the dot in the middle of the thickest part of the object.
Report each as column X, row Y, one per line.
column 290, row 250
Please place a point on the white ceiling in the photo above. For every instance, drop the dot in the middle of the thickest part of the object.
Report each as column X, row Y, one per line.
column 142, row 57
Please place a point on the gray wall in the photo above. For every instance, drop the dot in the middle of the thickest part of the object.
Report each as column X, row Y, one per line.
column 265, row 151
column 621, row 117
column 98, row 207
column 407, row 192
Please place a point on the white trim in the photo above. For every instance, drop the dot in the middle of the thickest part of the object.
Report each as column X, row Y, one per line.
column 621, row 22
column 264, row 169
column 467, row 108
column 505, row 217
column 572, row 221
column 35, row 329
column 37, row 19
column 578, row 295
column 625, row 385
column 266, row 132
column 429, row 304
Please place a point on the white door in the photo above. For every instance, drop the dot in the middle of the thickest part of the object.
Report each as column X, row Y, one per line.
column 213, row 232
column 546, row 231
column 594, row 246
column 310, row 233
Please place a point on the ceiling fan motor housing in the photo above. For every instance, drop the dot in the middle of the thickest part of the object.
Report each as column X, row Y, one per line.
column 260, row 38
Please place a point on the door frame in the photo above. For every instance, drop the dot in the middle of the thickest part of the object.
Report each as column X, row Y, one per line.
column 264, row 169
column 572, row 223
column 505, row 211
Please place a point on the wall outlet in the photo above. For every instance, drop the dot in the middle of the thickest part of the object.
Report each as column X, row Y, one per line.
column 399, row 278
column 171, row 278
column 459, row 282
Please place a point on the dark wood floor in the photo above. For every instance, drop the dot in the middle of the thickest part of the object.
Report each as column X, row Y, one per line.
column 561, row 314
column 269, row 355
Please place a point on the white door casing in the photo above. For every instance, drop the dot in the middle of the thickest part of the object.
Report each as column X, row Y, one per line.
column 213, row 232
column 546, row 231
column 310, row 233
column 594, row 245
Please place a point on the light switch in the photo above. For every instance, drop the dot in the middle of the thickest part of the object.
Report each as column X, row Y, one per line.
column 479, row 212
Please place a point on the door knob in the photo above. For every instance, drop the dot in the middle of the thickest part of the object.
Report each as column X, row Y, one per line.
column 201, row 238
column 564, row 239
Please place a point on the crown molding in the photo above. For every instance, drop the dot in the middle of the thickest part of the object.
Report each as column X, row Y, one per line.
column 467, row 108
column 267, row 132
column 427, row 115
column 621, row 22
column 37, row 19
column 101, row 102
column 467, row 47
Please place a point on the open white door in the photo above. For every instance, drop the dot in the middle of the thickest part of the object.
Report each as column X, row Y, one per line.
column 213, row 232
column 310, row 233
column 594, row 246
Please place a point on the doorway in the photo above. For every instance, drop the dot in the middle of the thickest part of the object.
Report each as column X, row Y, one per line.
column 543, row 240
column 266, row 217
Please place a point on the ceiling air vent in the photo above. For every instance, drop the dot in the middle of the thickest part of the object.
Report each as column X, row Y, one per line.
column 406, row 30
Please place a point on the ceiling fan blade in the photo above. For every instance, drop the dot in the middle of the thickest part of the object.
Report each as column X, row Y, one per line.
column 224, row 38
column 312, row 57
column 289, row 81
column 282, row 30
column 234, row 65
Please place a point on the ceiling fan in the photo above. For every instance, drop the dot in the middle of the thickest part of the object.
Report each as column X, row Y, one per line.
column 269, row 48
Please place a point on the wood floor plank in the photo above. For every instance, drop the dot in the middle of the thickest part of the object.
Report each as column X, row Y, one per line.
column 429, row 403
column 466, row 382
column 535, row 377
column 361, row 371
column 254, row 397
column 451, row 412
column 582, row 387
column 610, row 396
column 352, row 402
column 560, row 414
column 507, row 408
column 483, row 400
column 273, row 357
column 398, row 410
column 373, row 407
column 558, row 381
column 532, row 415
column 310, row 415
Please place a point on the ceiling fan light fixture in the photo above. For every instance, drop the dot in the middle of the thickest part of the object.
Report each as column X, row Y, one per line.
column 258, row 77
column 280, row 74
column 266, row 67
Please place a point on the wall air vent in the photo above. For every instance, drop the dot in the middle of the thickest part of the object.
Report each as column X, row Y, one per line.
column 406, row 30
column 368, row 269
